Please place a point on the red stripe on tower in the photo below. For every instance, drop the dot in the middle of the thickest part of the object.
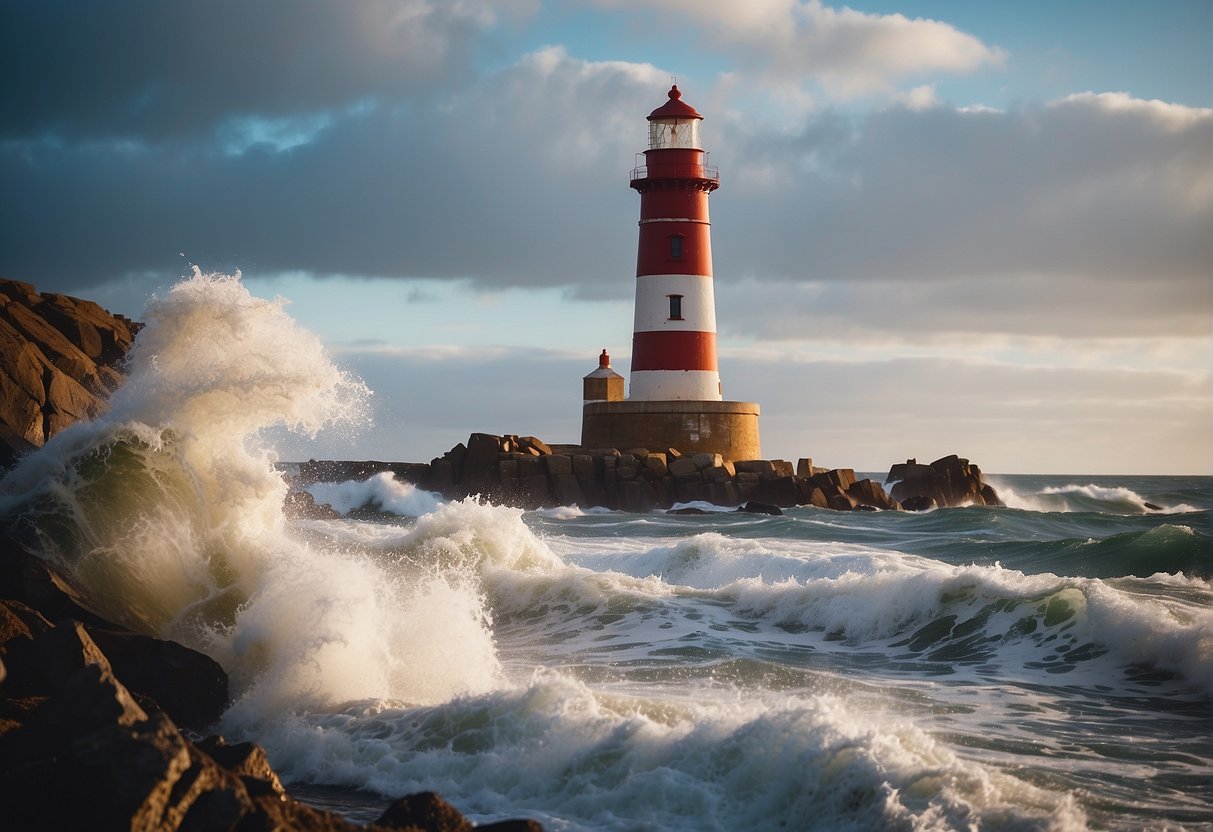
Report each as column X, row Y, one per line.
column 674, row 337
column 688, row 350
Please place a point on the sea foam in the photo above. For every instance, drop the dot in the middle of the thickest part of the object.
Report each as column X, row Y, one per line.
column 557, row 750
column 381, row 491
column 168, row 510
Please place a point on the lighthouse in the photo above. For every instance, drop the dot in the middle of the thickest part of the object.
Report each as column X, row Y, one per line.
column 674, row 335
column 674, row 398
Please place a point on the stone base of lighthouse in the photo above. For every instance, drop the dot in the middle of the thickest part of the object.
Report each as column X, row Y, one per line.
column 726, row 428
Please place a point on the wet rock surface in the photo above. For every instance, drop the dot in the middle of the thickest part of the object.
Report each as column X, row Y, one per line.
column 90, row 737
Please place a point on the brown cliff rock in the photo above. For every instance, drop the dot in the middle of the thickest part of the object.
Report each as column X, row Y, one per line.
column 59, row 360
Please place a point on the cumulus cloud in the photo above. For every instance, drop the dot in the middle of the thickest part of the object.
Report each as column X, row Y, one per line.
column 1097, row 187
column 849, row 52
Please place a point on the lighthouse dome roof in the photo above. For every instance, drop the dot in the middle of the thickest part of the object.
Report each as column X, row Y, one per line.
column 674, row 108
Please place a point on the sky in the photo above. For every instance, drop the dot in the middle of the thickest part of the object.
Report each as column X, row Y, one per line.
column 980, row 228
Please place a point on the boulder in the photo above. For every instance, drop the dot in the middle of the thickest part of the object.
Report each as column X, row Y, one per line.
column 533, row 492
column 247, row 760
column 627, row 467
column 442, row 475
column 724, row 493
column 755, row 507
column 657, row 463
column 480, row 465
column 990, row 497
column 530, row 466
column 840, row 501
column 907, row 470
column 425, row 810
column 19, row 621
column 683, row 466
column 507, row 469
column 59, row 360
column 529, row 443
column 585, row 470
column 815, row 496
column 780, row 491
column 457, row 457
column 118, row 775
column 187, row 685
column 754, row 466
column 635, row 496
column 559, row 465
column 841, row 478
column 782, row 468
column 949, row 481
column 870, row 494
column 567, row 491
column 691, row 490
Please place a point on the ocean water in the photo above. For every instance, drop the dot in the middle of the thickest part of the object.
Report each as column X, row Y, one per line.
column 1047, row 665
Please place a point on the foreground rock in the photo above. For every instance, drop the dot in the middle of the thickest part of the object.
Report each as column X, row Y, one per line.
column 59, row 361
column 524, row 471
column 89, row 736
column 949, row 481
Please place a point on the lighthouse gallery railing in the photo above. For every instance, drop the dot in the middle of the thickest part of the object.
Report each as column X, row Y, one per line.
column 675, row 170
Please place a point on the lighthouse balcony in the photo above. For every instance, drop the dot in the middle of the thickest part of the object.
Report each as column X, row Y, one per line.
column 708, row 174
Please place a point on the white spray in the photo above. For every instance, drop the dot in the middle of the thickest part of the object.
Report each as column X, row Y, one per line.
column 168, row 509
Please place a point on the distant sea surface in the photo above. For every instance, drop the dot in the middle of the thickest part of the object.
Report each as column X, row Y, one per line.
column 1047, row 665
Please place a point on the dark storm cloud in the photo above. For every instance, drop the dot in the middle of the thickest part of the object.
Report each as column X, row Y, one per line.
column 520, row 181
column 150, row 69
column 1011, row 221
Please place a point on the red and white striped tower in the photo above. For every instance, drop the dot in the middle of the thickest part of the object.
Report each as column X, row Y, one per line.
column 675, row 400
column 674, row 336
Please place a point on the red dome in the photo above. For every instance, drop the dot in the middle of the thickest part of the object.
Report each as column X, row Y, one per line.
column 674, row 108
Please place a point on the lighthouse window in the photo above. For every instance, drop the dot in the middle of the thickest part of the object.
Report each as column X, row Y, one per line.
column 676, row 247
column 675, row 307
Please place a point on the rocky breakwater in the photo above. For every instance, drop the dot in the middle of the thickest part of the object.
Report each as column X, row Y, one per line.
column 527, row 472
column 91, row 719
column 60, row 358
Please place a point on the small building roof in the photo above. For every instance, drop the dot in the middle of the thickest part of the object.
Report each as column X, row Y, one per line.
column 674, row 108
column 604, row 368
